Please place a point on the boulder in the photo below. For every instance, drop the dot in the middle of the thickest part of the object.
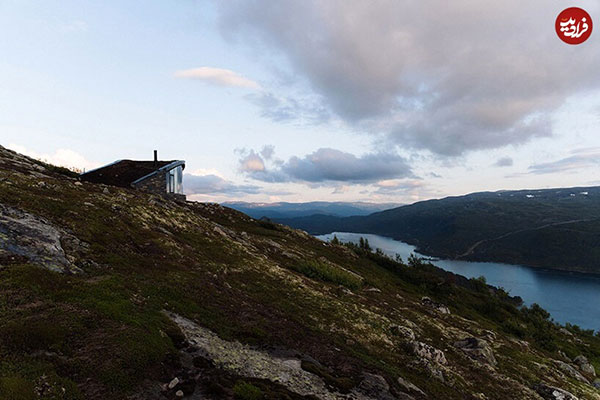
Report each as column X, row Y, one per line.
column 375, row 387
column 564, row 331
column 477, row 349
column 584, row 365
column 403, row 332
column 571, row 371
column 429, row 353
column 548, row 392
column 441, row 308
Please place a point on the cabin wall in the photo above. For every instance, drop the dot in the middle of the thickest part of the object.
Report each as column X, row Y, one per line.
column 157, row 184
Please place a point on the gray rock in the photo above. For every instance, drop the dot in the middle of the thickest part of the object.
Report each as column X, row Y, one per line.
column 570, row 371
column 564, row 331
column 490, row 336
column 434, row 371
column 409, row 386
column 429, row 353
column 584, row 365
column 285, row 370
column 375, row 387
column 564, row 356
column 477, row 349
column 173, row 383
column 34, row 239
column 403, row 332
column 179, row 393
column 105, row 191
column 441, row 308
column 553, row 393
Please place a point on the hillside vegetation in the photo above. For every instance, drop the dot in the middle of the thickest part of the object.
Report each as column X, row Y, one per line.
column 551, row 228
column 109, row 293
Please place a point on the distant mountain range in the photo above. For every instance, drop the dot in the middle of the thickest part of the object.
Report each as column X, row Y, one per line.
column 552, row 228
column 294, row 210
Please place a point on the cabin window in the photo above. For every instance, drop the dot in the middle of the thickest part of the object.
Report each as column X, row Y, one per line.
column 175, row 180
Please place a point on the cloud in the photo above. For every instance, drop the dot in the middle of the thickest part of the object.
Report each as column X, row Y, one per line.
column 579, row 160
column 214, row 184
column 267, row 151
column 327, row 165
column 394, row 186
column 504, row 162
column 448, row 77
column 62, row 157
column 286, row 109
column 217, row 76
column 251, row 162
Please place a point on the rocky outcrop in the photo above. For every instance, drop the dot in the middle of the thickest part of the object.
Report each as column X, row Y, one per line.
column 409, row 387
column 27, row 238
column 584, row 365
column 403, row 332
column 438, row 307
column 477, row 349
column 245, row 361
column 375, row 387
column 548, row 392
column 571, row 371
column 428, row 353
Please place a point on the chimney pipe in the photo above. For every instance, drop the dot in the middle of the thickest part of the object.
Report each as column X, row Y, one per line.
column 156, row 158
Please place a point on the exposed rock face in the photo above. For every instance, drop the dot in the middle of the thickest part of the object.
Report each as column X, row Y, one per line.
column 477, row 349
column 441, row 308
column 429, row 353
column 248, row 362
column 584, row 365
column 26, row 237
column 553, row 393
column 409, row 386
column 570, row 371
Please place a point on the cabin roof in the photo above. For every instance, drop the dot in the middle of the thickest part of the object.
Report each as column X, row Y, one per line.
column 125, row 172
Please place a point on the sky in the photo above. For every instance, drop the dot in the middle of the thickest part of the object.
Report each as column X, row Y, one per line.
column 337, row 100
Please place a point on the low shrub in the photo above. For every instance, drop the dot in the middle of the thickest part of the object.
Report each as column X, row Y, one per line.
column 329, row 273
column 247, row 391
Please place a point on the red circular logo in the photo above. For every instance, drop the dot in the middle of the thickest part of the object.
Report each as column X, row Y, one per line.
column 574, row 25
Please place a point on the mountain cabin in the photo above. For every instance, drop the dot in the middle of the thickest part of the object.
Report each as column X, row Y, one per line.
column 160, row 177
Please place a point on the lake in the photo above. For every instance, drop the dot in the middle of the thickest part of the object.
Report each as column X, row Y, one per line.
column 568, row 297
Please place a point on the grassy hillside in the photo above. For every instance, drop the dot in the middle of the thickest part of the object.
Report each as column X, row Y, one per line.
column 553, row 228
column 108, row 293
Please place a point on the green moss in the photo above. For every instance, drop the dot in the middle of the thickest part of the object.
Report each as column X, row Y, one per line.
column 16, row 388
column 246, row 391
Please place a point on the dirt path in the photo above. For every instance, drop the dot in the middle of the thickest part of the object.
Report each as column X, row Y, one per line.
column 471, row 249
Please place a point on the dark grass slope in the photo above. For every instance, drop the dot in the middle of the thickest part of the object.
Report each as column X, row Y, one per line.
column 102, row 334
